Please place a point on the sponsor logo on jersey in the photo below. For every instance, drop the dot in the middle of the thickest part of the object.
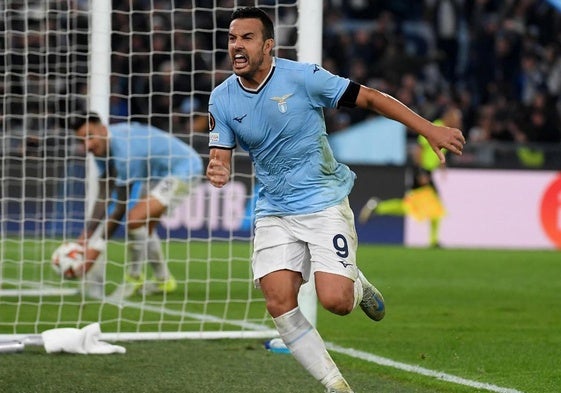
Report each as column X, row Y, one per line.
column 344, row 263
column 239, row 119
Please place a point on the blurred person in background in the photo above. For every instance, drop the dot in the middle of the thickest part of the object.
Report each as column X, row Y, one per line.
column 422, row 202
column 127, row 154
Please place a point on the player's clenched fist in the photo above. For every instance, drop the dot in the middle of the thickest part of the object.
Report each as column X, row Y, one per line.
column 217, row 173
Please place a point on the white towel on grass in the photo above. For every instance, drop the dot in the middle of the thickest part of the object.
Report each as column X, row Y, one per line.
column 82, row 341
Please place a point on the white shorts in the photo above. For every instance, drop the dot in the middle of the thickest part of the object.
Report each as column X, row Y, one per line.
column 325, row 241
column 171, row 191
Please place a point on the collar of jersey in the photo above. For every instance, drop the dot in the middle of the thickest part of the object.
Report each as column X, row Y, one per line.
column 258, row 88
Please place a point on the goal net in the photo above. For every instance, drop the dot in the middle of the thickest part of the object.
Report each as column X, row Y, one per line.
column 156, row 65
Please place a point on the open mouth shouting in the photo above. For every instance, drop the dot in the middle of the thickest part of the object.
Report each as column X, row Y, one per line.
column 240, row 61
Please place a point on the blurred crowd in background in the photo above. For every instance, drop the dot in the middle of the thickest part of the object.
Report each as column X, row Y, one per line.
column 498, row 61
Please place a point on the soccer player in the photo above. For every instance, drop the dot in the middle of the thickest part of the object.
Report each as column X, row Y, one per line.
column 430, row 207
column 129, row 154
column 273, row 108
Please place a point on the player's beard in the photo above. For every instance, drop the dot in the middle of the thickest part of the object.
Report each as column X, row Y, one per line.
column 251, row 69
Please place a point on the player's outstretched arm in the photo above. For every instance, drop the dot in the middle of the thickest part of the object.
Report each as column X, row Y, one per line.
column 99, row 211
column 439, row 137
column 99, row 228
column 218, row 169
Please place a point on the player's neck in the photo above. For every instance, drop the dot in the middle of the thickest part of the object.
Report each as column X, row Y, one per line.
column 260, row 77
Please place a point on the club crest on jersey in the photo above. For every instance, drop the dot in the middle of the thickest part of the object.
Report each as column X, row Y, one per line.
column 281, row 102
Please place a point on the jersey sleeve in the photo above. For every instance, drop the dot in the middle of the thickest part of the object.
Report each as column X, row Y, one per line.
column 220, row 134
column 324, row 88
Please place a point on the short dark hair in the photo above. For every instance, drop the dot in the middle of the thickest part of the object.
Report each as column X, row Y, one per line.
column 256, row 13
column 77, row 120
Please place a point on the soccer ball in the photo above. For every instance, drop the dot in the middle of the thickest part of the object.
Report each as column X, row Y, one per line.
column 67, row 258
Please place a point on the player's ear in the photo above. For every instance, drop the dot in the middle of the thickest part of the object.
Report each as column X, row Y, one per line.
column 269, row 45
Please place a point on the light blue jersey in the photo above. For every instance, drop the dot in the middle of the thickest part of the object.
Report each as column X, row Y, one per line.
column 139, row 152
column 282, row 126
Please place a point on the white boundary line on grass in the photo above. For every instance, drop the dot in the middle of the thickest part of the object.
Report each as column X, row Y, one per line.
column 332, row 347
column 196, row 316
column 36, row 289
column 417, row 369
column 347, row 351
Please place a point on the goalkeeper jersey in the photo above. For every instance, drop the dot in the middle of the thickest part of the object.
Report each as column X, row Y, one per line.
column 139, row 152
column 429, row 161
column 282, row 126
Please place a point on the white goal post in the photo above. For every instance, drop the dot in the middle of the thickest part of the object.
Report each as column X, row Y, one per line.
column 155, row 64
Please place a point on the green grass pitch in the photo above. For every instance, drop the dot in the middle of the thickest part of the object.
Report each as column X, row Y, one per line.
column 488, row 316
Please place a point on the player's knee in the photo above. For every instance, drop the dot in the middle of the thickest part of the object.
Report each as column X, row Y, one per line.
column 277, row 307
column 279, row 303
column 337, row 305
column 135, row 224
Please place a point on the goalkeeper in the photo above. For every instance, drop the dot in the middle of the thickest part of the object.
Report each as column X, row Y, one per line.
column 125, row 154
column 422, row 202
column 304, row 225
